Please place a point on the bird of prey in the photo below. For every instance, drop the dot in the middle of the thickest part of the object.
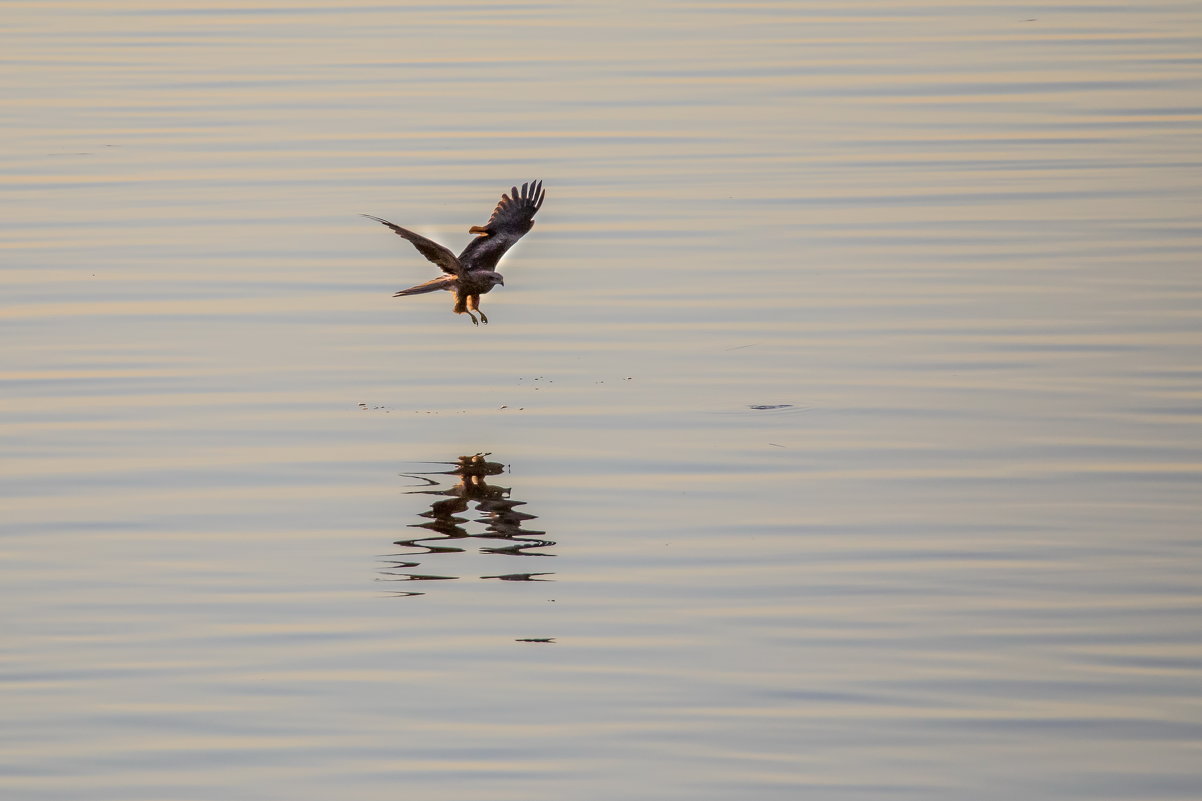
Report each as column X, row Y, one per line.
column 474, row 273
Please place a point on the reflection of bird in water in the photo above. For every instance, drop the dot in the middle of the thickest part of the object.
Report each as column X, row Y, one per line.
column 474, row 273
column 499, row 514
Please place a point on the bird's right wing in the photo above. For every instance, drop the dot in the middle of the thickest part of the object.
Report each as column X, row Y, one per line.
column 513, row 214
column 433, row 285
column 427, row 247
column 510, row 221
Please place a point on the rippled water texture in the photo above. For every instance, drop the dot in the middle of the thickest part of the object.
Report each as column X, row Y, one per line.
column 835, row 436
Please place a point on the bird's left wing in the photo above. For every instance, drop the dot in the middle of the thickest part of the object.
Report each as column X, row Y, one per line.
column 427, row 247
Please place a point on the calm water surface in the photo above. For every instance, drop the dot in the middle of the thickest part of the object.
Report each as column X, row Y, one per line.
column 836, row 436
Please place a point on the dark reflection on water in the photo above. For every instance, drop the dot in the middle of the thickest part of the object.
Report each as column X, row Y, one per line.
column 447, row 523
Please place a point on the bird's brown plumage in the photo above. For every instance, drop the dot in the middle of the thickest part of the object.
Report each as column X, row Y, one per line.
column 473, row 273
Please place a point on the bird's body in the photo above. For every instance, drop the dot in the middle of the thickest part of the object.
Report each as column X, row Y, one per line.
column 473, row 272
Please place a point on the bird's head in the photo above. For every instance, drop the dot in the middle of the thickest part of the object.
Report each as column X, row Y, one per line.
column 495, row 278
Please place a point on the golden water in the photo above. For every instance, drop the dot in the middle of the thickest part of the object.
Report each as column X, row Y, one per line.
column 950, row 248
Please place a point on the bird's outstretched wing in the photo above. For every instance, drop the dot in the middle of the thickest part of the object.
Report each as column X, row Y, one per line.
column 513, row 214
column 427, row 247
column 433, row 285
column 510, row 220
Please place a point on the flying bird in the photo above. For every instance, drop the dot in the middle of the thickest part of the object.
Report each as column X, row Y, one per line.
column 473, row 273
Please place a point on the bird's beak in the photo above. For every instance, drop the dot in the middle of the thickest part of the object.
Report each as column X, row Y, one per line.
column 501, row 282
